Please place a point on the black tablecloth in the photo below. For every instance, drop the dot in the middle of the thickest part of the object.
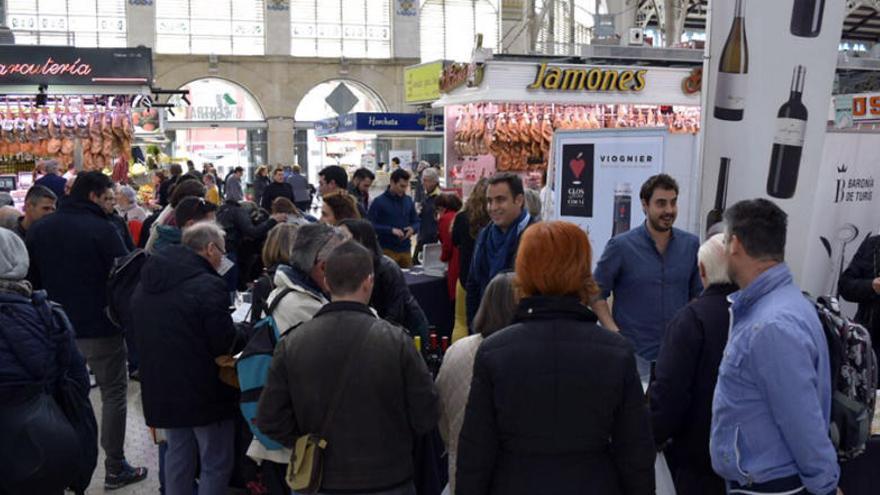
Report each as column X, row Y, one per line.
column 433, row 297
column 861, row 476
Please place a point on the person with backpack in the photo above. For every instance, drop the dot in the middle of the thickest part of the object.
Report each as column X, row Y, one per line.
column 860, row 283
column 685, row 376
column 77, row 279
column 182, row 325
column 37, row 352
column 772, row 405
column 275, row 252
column 300, row 292
column 355, row 381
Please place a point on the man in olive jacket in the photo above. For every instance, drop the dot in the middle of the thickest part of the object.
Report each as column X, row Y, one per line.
column 387, row 396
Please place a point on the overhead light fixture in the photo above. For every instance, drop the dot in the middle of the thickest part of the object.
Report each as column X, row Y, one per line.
column 171, row 112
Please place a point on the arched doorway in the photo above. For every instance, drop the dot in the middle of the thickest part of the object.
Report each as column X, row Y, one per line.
column 223, row 124
column 327, row 100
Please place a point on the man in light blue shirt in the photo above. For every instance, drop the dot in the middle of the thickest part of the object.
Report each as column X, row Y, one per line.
column 772, row 404
column 651, row 270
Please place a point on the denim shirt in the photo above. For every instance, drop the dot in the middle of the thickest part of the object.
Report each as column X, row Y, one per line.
column 772, row 403
column 649, row 288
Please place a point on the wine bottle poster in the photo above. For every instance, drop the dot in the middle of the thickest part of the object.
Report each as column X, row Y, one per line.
column 601, row 172
column 767, row 84
column 576, row 191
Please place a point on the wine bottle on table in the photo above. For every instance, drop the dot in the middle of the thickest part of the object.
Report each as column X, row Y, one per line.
column 716, row 215
column 806, row 18
column 788, row 142
column 444, row 346
column 730, row 90
column 622, row 208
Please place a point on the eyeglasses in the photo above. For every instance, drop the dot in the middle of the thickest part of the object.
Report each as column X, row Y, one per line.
column 222, row 250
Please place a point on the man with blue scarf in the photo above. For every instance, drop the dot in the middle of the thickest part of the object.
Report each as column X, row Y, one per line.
column 495, row 250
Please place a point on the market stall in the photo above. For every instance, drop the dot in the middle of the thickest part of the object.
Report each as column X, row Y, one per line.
column 69, row 104
column 501, row 115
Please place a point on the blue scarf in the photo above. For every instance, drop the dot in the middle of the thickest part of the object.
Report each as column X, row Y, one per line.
column 500, row 245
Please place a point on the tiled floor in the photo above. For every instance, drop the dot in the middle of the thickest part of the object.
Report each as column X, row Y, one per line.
column 139, row 447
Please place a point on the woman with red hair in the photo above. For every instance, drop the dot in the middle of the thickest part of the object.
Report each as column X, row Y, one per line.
column 556, row 404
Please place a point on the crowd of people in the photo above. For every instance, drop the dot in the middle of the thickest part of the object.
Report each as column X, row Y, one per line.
column 542, row 391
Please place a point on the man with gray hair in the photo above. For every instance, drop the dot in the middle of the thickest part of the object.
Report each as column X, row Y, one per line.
column 181, row 326
column 53, row 179
column 300, row 292
column 686, row 372
column 428, row 230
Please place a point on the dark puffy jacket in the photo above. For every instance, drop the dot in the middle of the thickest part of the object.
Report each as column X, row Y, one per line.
column 556, row 406
column 388, row 399
column 71, row 254
column 681, row 394
column 121, row 227
column 182, row 323
column 856, row 286
column 392, row 299
column 237, row 223
column 30, row 346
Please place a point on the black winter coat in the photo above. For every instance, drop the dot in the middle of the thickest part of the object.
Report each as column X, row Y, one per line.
column 461, row 238
column 273, row 191
column 428, row 231
column 855, row 286
column 71, row 254
column 683, row 388
column 556, row 407
column 182, row 323
column 392, row 299
column 237, row 223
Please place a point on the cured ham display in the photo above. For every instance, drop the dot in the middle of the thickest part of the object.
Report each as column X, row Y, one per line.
column 520, row 135
column 61, row 131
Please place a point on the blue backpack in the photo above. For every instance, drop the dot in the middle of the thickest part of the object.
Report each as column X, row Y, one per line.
column 252, row 368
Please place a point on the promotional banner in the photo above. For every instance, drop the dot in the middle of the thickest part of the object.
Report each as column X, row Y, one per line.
column 846, row 205
column 597, row 176
column 767, row 86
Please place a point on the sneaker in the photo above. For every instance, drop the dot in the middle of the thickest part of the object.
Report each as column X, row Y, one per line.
column 126, row 476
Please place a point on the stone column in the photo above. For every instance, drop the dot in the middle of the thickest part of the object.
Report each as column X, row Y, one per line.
column 516, row 33
column 140, row 19
column 626, row 19
column 405, row 34
column 277, row 28
column 279, row 138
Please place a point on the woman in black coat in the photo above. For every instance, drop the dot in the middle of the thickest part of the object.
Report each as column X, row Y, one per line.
column 556, row 405
column 391, row 296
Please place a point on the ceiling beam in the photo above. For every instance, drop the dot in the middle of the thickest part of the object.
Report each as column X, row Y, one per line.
column 864, row 20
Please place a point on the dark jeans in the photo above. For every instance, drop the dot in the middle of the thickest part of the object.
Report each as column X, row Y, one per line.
column 211, row 447
column 782, row 485
column 106, row 358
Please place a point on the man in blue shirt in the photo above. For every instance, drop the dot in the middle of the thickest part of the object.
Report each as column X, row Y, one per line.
column 772, row 403
column 393, row 215
column 651, row 270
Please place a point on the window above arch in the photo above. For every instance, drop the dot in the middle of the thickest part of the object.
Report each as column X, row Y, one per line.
column 340, row 28
column 85, row 23
column 221, row 27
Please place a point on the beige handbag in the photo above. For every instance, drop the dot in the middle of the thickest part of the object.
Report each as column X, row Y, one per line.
column 305, row 471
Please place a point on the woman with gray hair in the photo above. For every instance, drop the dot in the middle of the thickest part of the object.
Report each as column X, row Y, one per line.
column 454, row 380
column 686, row 373
column 127, row 205
column 533, row 203
column 37, row 350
